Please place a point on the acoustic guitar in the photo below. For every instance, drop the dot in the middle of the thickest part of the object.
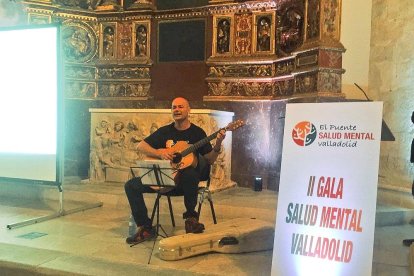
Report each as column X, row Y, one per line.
column 184, row 153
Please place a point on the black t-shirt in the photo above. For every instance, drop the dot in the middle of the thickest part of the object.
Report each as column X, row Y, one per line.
column 169, row 133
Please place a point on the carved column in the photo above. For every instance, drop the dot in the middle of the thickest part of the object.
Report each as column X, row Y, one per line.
column 319, row 59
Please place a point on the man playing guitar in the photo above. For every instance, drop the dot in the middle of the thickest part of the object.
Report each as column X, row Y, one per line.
column 160, row 144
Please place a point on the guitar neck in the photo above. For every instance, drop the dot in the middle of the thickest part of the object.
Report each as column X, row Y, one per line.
column 199, row 144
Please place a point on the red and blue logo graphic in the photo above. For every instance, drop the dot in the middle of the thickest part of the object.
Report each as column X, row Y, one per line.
column 304, row 133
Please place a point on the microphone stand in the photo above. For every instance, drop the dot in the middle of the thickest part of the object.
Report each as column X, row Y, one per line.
column 408, row 242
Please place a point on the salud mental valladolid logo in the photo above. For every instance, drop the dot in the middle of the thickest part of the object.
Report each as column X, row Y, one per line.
column 304, row 133
column 330, row 135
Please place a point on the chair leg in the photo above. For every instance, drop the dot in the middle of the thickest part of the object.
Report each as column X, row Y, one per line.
column 171, row 211
column 213, row 213
column 199, row 208
column 156, row 206
column 200, row 204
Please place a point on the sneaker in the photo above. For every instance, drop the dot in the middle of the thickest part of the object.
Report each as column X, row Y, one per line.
column 193, row 226
column 144, row 233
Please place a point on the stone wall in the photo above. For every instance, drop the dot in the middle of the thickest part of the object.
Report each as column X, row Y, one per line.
column 391, row 80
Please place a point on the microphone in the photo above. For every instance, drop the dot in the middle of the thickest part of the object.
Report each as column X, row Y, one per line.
column 359, row 87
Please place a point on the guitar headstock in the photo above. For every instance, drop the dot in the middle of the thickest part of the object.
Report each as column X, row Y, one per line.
column 234, row 125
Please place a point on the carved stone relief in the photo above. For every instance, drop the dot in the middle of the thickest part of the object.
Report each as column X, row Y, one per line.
column 115, row 136
column 79, row 41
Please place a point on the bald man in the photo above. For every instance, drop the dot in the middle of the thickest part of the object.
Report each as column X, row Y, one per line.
column 155, row 146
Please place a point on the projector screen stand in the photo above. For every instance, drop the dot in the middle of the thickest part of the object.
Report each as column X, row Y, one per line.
column 62, row 212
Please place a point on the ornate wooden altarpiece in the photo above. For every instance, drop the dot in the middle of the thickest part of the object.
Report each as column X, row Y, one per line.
column 259, row 49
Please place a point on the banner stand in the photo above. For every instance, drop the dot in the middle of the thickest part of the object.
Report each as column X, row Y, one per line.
column 62, row 212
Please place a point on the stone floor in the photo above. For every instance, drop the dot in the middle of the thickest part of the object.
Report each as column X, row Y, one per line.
column 92, row 242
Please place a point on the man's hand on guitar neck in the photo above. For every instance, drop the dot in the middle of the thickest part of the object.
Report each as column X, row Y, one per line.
column 212, row 155
column 220, row 137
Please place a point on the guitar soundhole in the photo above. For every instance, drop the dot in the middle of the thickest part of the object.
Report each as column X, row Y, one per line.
column 177, row 157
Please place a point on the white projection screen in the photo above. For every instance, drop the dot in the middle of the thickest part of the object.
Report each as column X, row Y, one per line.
column 30, row 104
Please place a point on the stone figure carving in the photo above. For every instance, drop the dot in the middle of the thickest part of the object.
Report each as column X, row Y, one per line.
column 115, row 136
column 141, row 41
column 140, row 4
column 99, row 156
column 108, row 41
column 263, row 34
column 218, row 170
column 114, row 146
column 220, row 89
column 79, row 42
column 107, row 5
column 223, row 36
column 290, row 35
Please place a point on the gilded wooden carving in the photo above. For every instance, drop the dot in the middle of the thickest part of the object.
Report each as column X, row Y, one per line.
column 331, row 18
column 258, row 48
column 80, row 72
column 313, row 19
column 117, row 73
column 79, row 41
column 243, row 33
column 80, row 89
column 125, row 40
column 35, row 18
column 306, row 83
column 253, row 70
column 223, row 35
column 264, row 33
column 108, row 45
column 141, row 37
column 123, row 90
column 289, row 33
column 107, row 5
column 284, row 87
column 330, row 81
column 284, row 67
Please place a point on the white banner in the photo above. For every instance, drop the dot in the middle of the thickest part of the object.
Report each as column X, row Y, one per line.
column 328, row 188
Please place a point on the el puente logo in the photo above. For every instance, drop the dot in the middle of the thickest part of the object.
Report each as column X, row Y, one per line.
column 304, row 133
